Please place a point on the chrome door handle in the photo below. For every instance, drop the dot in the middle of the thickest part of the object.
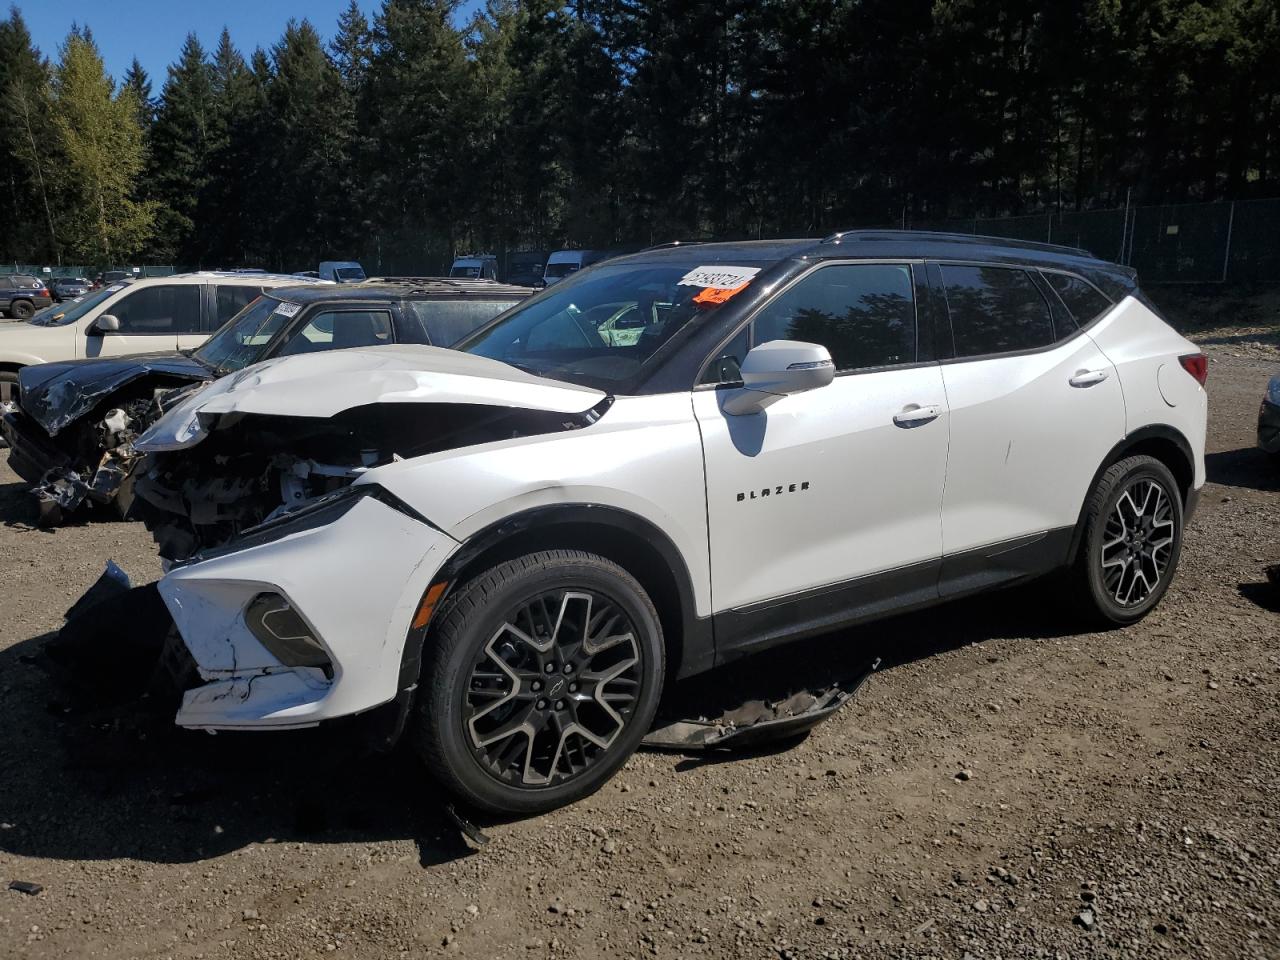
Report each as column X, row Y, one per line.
column 914, row 415
column 1087, row 378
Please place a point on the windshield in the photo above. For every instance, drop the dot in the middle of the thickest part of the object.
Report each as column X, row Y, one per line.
column 348, row 273
column 73, row 310
column 558, row 270
column 471, row 272
column 244, row 338
column 602, row 328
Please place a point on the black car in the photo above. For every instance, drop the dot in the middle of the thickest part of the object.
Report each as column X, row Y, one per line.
column 68, row 288
column 72, row 437
column 21, row 295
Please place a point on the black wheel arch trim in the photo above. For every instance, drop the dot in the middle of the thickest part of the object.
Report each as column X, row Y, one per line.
column 1155, row 431
column 696, row 645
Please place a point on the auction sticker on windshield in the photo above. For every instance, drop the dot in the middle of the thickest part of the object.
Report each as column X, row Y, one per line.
column 719, row 277
column 288, row 309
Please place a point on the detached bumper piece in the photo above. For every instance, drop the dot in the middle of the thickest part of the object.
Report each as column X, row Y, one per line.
column 758, row 722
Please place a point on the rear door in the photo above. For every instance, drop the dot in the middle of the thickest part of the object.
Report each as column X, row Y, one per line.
column 812, row 496
column 152, row 318
column 1035, row 407
column 225, row 300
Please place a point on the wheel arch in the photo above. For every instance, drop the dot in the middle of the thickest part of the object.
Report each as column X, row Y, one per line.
column 630, row 541
column 1160, row 441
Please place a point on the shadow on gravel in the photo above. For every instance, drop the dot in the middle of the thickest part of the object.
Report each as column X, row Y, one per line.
column 1247, row 467
column 94, row 785
column 1023, row 612
column 17, row 506
column 124, row 782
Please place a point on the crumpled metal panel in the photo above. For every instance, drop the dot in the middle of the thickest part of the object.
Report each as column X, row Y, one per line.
column 55, row 395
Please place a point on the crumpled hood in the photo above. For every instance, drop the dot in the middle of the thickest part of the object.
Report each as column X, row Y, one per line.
column 57, row 394
column 322, row 385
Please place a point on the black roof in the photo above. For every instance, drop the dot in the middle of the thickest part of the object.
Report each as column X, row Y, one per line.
column 402, row 288
column 875, row 244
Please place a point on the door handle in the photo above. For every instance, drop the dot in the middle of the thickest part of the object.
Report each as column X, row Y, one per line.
column 1087, row 378
column 914, row 415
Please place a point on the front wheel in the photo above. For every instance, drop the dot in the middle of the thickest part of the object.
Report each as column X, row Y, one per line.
column 541, row 677
column 1132, row 541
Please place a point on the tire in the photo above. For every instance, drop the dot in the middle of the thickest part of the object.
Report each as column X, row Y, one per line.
column 21, row 309
column 1119, row 581
column 473, row 713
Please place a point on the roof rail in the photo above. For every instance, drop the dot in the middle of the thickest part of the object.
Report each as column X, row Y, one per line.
column 672, row 243
column 848, row 235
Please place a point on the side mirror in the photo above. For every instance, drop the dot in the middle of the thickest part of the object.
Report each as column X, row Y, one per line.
column 778, row 369
column 105, row 324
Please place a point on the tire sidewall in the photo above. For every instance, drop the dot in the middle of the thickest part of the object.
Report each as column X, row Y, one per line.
column 446, row 713
column 22, row 310
column 1147, row 469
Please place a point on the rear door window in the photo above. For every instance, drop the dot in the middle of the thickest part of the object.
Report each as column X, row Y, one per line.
column 864, row 313
column 339, row 329
column 995, row 310
column 159, row 310
column 230, row 300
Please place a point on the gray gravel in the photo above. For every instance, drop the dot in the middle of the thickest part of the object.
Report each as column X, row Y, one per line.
column 1005, row 787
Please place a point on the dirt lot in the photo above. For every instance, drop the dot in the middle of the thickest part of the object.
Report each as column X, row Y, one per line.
column 1002, row 788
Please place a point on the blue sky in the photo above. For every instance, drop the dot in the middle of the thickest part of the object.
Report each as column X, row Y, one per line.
column 153, row 30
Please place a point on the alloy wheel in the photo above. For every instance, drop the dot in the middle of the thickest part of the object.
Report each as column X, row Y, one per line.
column 1138, row 541
column 553, row 688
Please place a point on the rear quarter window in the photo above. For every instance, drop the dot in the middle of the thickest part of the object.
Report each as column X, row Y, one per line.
column 448, row 321
column 1081, row 298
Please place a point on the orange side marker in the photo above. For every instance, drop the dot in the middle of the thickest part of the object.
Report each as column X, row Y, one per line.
column 428, row 605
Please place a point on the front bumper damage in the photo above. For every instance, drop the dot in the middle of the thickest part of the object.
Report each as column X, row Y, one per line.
column 354, row 581
column 60, row 484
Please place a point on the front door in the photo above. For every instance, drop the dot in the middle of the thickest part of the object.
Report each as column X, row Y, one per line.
column 152, row 318
column 828, row 502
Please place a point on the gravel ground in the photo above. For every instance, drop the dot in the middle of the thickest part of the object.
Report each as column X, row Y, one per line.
column 1003, row 787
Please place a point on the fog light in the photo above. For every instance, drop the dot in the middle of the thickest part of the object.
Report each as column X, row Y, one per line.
column 286, row 635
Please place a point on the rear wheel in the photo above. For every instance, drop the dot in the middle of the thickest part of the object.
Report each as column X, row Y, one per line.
column 1132, row 540
column 540, row 679
column 22, row 309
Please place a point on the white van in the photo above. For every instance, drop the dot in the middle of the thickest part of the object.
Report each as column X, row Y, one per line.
column 341, row 271
column 481, row 267
column 564, row 262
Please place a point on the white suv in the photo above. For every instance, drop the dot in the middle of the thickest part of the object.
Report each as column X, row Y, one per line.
column 513, row 545
column 130, row 316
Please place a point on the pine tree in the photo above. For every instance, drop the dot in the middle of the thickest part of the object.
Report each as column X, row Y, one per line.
column 421, row 82
column 99, row 134
column 28, row 169
column 182, row 140
column 307, row 149
column 137, row 80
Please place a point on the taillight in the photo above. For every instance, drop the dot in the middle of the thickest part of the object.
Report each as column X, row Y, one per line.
column 1196, row 364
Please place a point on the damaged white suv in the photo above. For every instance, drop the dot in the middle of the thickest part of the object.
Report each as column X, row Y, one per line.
column 664, row 462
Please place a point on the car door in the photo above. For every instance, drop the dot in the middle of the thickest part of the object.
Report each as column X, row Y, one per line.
column 827, row 504
column 1035, row 407
column 152, row 318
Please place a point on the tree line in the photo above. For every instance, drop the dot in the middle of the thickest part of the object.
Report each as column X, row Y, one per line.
column 599, row 123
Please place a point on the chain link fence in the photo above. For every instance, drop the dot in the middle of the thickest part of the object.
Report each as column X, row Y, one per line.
column 49, row 273
column 1222, row 242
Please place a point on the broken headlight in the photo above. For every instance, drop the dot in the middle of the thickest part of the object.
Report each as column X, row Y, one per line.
column 279, row 628
column 319, row 512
